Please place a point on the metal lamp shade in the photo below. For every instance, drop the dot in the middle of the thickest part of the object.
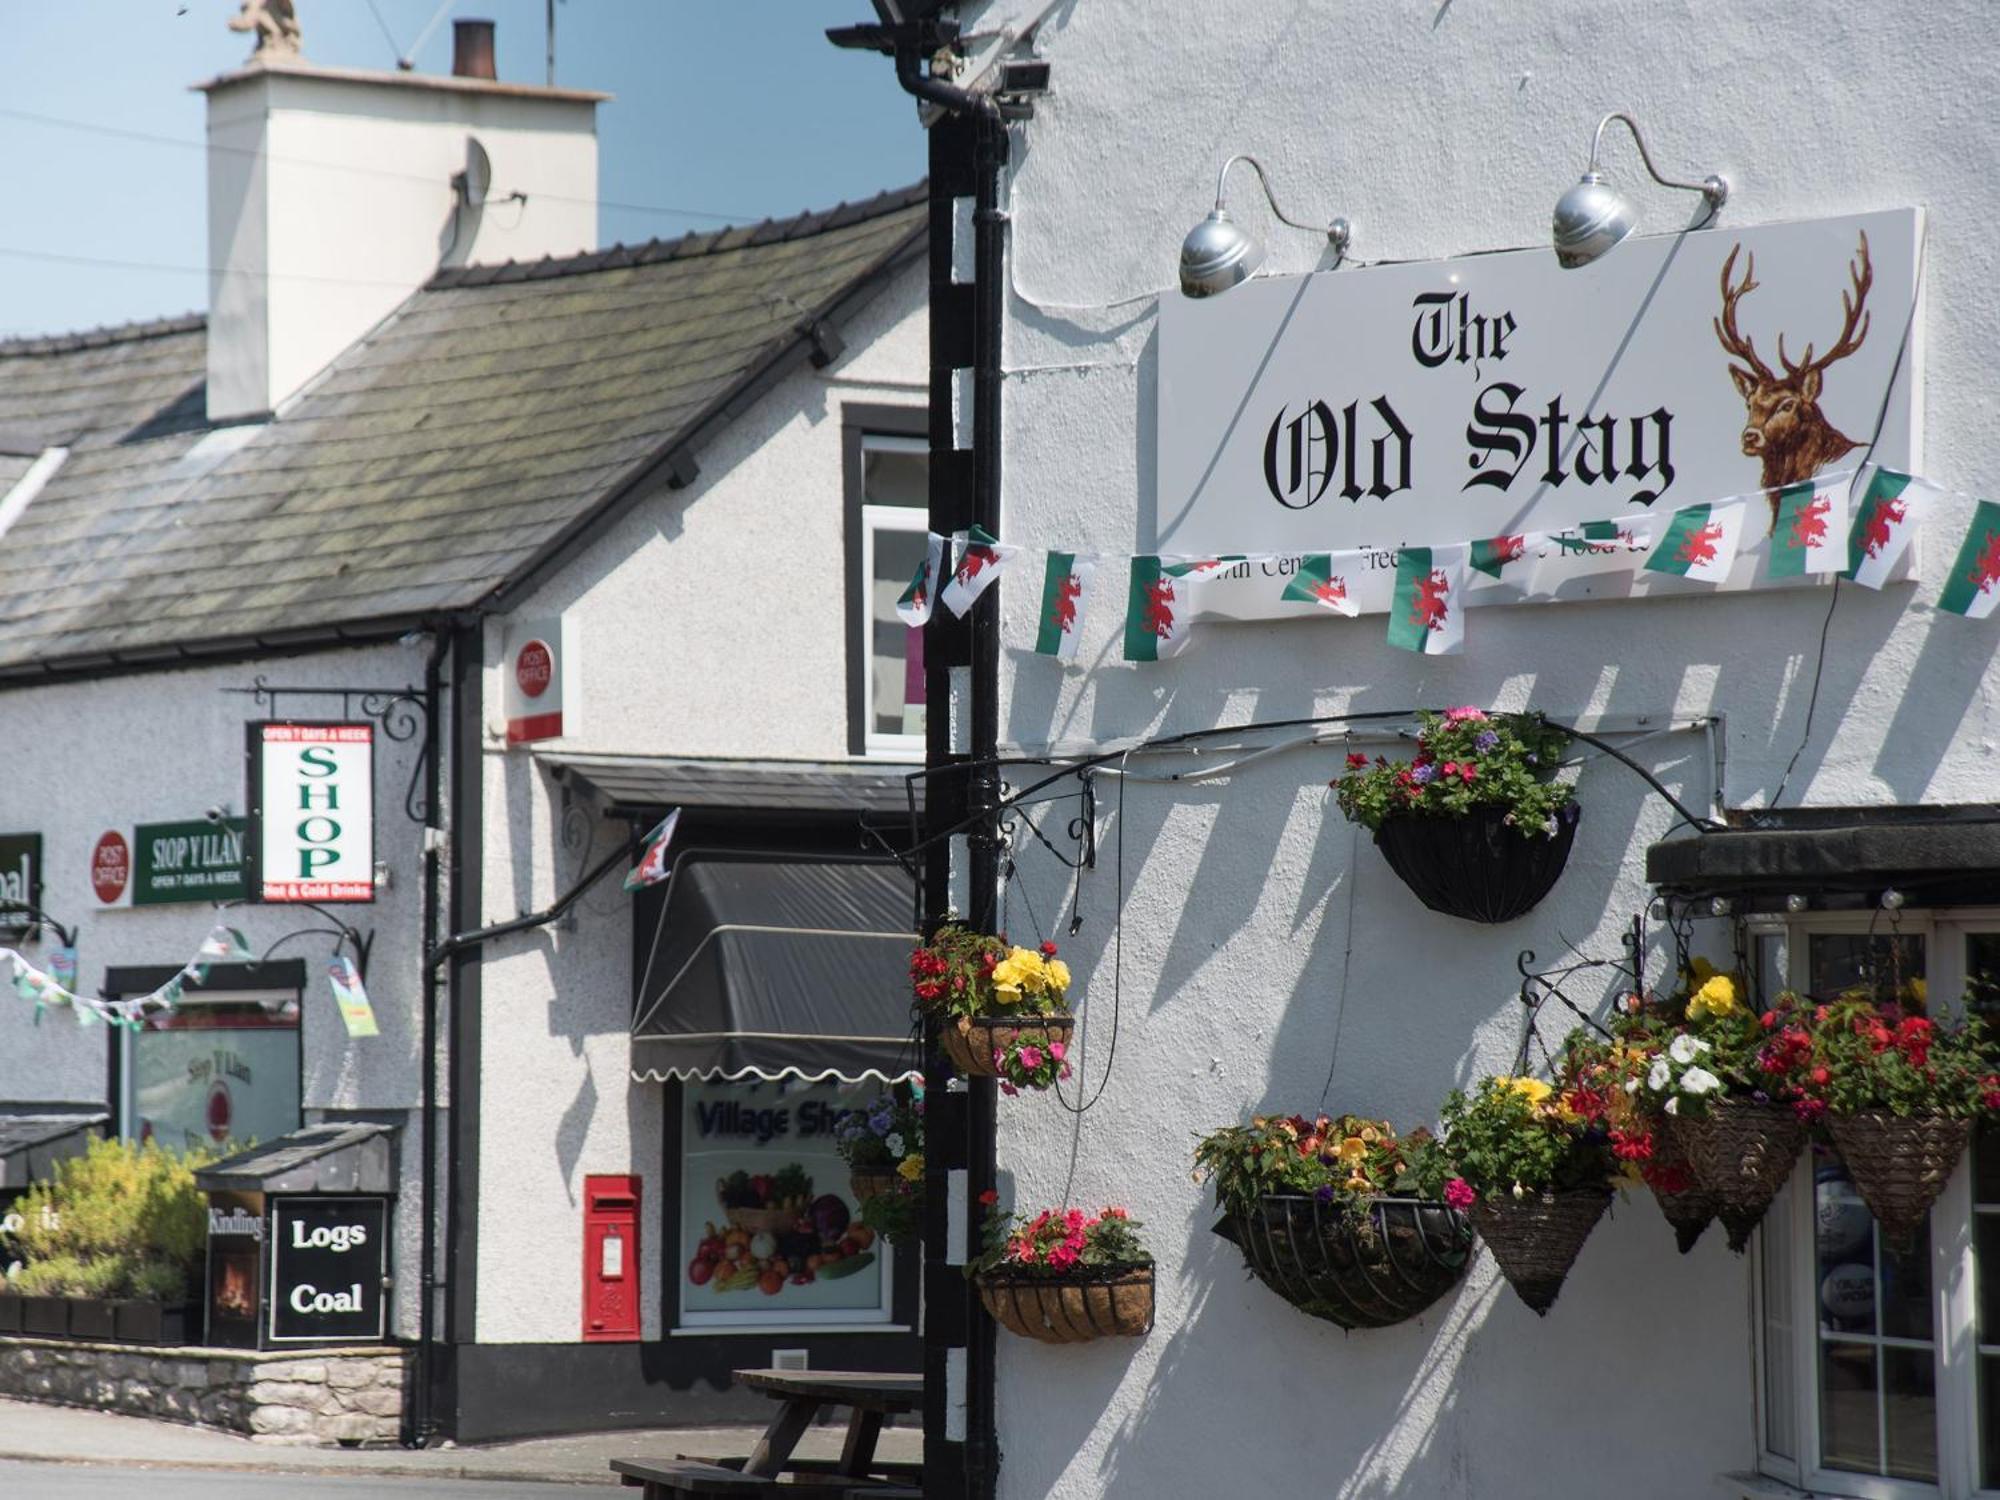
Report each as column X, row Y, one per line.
column 1218, row 254
column 1590, row 218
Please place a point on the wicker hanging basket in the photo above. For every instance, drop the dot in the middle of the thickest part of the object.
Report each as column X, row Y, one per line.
column 1071, row 1309
column 971, row 1051
column 1691, row 1209
column 1899, row 1164
column 1360, row 1273
column 1478, row 867
column 1741, row 1152
column 873, row 1182
column 1535, row 1239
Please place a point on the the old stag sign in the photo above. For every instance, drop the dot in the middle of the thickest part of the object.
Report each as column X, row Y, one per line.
column 1499, row 395
column 312, row 823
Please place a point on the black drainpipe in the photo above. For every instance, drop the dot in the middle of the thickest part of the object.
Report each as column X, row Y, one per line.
column 960, row 1127
column 422, row 1425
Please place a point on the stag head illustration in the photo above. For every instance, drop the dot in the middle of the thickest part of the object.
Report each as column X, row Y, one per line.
column 1784, row 426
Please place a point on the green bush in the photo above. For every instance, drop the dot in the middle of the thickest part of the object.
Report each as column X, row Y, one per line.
column 126, row 1220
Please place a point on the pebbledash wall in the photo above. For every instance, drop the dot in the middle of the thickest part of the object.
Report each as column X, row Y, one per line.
column 707, row 622
column 1439, row 129
column 92, row 756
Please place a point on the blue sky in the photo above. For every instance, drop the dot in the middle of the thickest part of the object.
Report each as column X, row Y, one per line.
column 732, row 107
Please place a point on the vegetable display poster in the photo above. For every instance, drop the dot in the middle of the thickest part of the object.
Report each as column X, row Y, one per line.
column 770, row 1231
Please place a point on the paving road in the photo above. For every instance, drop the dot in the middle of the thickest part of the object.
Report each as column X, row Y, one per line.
column 25, row 1481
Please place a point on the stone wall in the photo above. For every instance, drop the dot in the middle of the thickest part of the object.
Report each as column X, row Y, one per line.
column 304, row 1397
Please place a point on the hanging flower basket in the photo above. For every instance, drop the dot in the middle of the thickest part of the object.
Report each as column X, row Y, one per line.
column 971, row 1050
column 1741, row 1152
column 1899, row 1164
column 1074, row 1308
column 873, row 1182
column 1688, row 1206
column 1535, row 1239
column 1360, row 1272
column 1479, row 866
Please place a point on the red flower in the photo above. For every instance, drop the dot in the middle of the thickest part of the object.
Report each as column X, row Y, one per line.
column 1468, row 771
column 1048, row 950
column 1356, row 762
column 989, row 1197
column 1770, row 1020
column 1450, row 768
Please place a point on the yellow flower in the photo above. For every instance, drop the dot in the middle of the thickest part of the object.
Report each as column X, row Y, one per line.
column 1359, row 1183
column 1021, row 970
column 1353, row 1149
column 1058, row 973
column 1531, row 1089
column 1370, row 1134
column 1716, row 998
column 910, row 1169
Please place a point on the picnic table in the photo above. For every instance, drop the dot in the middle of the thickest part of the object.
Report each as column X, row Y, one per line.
column 871, row 1398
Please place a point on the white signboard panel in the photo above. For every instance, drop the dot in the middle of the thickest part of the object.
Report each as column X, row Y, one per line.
column 538, row 677
column 312, row 800
column 1497, row 395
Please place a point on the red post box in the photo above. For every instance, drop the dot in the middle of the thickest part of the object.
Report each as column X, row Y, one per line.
column 610, row 1259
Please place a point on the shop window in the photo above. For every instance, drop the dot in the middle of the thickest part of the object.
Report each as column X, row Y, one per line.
column 888, row 464
column 1879, row 1369
column 220, row 1071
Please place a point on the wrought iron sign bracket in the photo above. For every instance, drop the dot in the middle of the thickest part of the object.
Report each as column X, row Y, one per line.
column 398, row 712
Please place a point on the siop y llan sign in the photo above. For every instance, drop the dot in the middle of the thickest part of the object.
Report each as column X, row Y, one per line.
column 312, row 812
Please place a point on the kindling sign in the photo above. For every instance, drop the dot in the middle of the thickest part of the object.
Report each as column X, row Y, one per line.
column 311, row 830
column 1498, row 396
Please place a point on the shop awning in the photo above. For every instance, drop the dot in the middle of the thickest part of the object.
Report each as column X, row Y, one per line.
column 773, row 966
column 1936, row 856
column 641, row 784
column 34, row 1137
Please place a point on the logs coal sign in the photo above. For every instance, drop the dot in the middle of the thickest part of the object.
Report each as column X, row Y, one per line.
column 327, row 1260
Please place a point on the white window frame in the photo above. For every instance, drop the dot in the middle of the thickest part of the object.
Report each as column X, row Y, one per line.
column 1954, row 1309
column 874, row 518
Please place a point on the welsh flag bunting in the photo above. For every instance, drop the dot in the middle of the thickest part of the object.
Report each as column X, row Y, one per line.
column 1494, row 553
column 979, row 564
column 1972, row 587
column 1605, row 536
column 1159, row 606
column 1892, row 507
column 1316, row 582
column 1427, row 612
column 1700, row 542
column 1066, row 588
column 915, row 603
column 227, row 944
column 652, row 866
column 1811, row 520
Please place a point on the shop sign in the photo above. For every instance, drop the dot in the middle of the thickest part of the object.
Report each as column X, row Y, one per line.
column 327, row 1261
column 538, row 691
column 1496, row 396
column 192, row 861
column 311, row 834
column 110, row 867
column 20, row 879
column 769, row 1230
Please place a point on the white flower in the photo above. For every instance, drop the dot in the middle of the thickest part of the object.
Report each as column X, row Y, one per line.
column 1519, row 1192
column 1673, row 1106
column 894, row 1141
column 1684, row 1049
column 1699, row 1081
column 1660, row 1076
column 1631, row 1085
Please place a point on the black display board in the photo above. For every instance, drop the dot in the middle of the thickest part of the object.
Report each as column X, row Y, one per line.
column 328, row 1256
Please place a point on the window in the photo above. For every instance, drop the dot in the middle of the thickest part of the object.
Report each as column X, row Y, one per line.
column 219, row 1071
column 888, row 492
column 1879, row 1370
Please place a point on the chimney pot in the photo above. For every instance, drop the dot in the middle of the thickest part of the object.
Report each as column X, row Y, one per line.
column 472, row 50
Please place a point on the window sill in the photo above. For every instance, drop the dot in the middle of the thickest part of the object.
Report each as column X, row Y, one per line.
column 746, row 1330
column 1764, row 1487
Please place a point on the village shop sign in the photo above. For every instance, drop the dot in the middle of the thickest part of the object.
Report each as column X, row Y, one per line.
column 1490, row 396
column 311, row 834
column 192, row 861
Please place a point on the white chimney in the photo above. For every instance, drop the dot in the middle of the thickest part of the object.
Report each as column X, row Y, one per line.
column 334, row 193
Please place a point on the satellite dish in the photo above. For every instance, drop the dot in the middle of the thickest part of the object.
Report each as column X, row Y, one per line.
column 476, row 180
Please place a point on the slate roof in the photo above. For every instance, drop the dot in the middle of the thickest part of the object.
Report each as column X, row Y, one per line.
column 498, row 412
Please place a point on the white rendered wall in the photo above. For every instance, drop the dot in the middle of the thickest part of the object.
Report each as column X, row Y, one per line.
column 1438, row 128
column 686, row 649
column 87, row 757
column 348, row 208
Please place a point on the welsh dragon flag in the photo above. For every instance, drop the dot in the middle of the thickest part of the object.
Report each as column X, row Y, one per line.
column 1161, row 602
column 1066, row 589
column 1892, row 507
column 1806, row 537
column 1317, row 583
column 1972, row 587
column 916, row 601
column 1495, row 552
column 1600, row 537
column 1427, row 612
column 979, row 564
column 652, row 867
column 1699, row 542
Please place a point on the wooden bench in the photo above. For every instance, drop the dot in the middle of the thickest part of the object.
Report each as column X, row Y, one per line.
column 883, row 1468
column 666, row 1478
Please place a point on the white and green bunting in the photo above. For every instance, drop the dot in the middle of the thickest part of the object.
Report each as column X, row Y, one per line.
column 1066, row 591
column 1428, row 611
column 1699, row 542
column 916, row 601
column 1972, row 587
column 1809, row 527
column 653, row 867
column 1161, row 602
column 980, row 562
column 1891, row 508
column 1317, row 582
